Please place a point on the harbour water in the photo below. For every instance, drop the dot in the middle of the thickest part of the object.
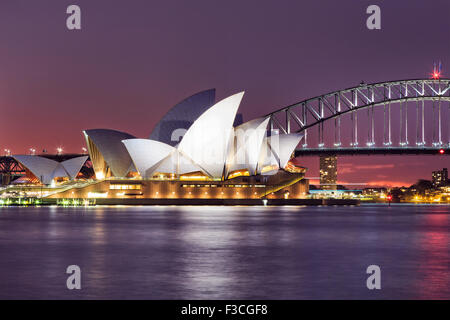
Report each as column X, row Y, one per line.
column 168, row 252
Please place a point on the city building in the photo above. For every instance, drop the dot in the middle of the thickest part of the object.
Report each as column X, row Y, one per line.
column 328, row 172
column 335, row 194
column 375, row 192
column 213, row 158
column 440, row 178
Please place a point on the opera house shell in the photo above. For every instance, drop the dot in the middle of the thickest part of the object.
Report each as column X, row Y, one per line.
column 193, row 152
column 175, row 123
column 45, row 170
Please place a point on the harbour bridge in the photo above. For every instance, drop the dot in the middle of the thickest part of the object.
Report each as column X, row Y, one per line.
column 396, row 117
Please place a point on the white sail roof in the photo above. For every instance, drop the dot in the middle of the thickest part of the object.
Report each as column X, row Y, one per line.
column 105, row 146
column 147, row 153
column 288, row 143
column 177, row 163
column 178, row 119
column 267, row 158
column 277, row 149
column 41, row 167
column 150, row 156
column 45, row 170
column 210, row 145
column 246, row 145
column 74, row 165
column 207, row 140
column 59, row 171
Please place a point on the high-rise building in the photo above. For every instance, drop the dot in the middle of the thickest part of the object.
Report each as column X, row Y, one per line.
column 328, row 172
column 440, row 178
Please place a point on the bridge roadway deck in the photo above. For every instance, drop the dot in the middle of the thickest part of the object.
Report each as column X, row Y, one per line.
column 351, row 151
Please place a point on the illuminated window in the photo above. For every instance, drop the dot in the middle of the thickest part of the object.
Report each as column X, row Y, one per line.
column 269, row 168
column 97, row 194
column 197, row 175
column 238, row 173
column 125, row 187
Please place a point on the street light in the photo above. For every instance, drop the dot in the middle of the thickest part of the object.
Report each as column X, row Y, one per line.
column 59, row 151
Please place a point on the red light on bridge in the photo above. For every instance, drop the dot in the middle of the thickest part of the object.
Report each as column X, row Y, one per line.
column 437, row 69
column 436, row 75
column 441, row 151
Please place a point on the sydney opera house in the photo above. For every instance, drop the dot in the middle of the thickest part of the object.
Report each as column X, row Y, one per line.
column 197, row 151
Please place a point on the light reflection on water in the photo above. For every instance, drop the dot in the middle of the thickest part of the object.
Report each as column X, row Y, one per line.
column 225, row 252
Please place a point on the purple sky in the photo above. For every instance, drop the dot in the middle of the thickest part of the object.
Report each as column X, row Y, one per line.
column 135, row 59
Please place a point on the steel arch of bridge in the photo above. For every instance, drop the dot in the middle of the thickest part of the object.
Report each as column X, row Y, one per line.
column 9, row 165
column 368, row 96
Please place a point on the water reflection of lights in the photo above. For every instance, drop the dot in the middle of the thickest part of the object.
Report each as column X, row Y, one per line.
column 435, row 245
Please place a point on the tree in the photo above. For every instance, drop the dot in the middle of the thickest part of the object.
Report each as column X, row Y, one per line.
column 423, row 185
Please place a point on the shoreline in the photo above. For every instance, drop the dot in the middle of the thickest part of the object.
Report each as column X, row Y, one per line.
column 74, row 202
column 180, row 202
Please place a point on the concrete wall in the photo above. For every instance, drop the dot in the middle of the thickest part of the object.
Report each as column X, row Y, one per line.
column 283, row 186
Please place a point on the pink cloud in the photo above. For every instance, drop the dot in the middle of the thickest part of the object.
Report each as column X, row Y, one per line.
column 375, row 183
column 350, row 168
column 374, row 166
column 386, row 183
column 345, row 170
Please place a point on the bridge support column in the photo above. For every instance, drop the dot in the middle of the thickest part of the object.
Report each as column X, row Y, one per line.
column 5, row 179
column 440, row 122
column 423, row 122
column 337, row 122
column 305, row 123
column 448, row 121
column 439, row 116
column 406, row 123
column 434, row 123
column 417, row 122
column 406, row 114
